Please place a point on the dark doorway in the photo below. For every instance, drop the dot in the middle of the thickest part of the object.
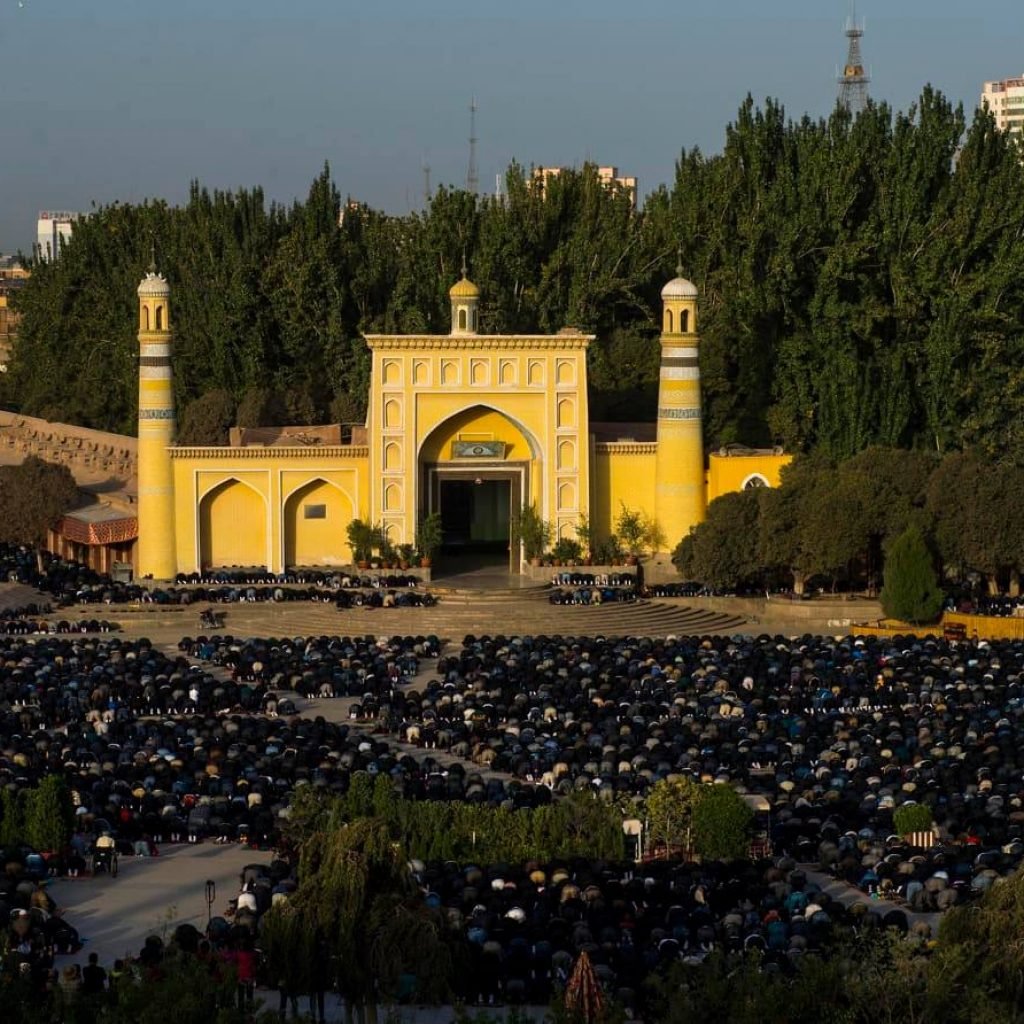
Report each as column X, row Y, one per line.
column 475, row 518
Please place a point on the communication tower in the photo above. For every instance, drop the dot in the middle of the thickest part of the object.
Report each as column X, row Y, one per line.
column 853, row 82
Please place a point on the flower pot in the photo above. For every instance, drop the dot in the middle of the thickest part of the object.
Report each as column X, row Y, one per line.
column 557, row 562
column 404, row 564
column 535, row 562
column 362, row 564
column 630, row 559
column 425, row 562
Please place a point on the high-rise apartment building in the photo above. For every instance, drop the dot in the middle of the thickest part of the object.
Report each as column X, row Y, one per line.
column 606, row 175
column 12, row 277
column 52, row 229
column 1006, row 101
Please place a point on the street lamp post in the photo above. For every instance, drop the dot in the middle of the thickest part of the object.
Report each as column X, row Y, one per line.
column 211, row 896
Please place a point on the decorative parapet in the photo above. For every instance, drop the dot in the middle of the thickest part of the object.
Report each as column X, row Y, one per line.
column 306, row 451
column 626, row 447
column 479, row 342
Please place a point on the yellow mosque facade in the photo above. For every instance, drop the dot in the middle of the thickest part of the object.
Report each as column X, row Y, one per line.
column 470, row 426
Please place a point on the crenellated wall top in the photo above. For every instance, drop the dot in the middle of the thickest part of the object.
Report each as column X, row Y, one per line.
column 253, row 452
column 479, row 342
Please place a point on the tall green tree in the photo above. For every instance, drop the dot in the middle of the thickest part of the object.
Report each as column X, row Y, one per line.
column 911, row 592
column 356, row 890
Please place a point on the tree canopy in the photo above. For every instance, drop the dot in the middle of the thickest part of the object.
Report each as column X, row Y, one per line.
column 835, row 522
column 860, row 278
column 33, row 496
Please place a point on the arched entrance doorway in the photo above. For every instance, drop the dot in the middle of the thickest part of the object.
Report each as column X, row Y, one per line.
column 476, row 469
column 232, row 527
column 316, row 517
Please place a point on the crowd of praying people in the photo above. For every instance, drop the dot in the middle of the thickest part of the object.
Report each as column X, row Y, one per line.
column 836, row 735
column 71, row 584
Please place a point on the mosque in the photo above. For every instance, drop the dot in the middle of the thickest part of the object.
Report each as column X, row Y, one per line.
column 467, row 425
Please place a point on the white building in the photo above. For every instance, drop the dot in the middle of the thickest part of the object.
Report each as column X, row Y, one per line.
column 1006, row 101
column 52, row 229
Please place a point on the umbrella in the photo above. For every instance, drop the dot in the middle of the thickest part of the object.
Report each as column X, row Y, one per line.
column 583, row 995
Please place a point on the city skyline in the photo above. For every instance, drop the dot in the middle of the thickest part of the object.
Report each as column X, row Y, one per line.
column 135, row 104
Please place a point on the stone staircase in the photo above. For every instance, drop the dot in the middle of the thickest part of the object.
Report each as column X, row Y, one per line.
column 452, row 620
column 522, row 611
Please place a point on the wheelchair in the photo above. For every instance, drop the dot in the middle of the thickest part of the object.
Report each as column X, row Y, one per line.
column 105, row 859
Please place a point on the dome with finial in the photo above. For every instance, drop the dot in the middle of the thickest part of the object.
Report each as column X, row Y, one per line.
column 679, row 287
column 464, row 288
column 154, row 285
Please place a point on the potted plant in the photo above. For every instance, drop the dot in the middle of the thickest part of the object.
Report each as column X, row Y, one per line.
column 632, row 530
column 585, row 537
column 566, row 551
column 405, row 555
column 428, row 538
column 360, row 536
column 534, row 532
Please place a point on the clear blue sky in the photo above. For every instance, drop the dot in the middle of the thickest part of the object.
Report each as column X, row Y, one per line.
column 123, row 99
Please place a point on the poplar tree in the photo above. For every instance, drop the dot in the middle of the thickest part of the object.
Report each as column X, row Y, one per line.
column 911, row 592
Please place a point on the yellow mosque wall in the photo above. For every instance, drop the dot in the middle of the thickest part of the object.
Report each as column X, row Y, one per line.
column 458, row 407
column 248, row 506
column 623, row 473
column 727, row 473
column 528, row 392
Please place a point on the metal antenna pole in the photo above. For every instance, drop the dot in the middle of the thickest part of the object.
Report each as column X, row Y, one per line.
column 472, row 176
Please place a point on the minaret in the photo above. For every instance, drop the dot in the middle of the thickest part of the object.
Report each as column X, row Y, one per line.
column 680, row 496
column 465, row 298
column 156, row 546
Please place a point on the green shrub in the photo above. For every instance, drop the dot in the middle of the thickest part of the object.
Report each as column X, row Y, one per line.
column 912, row 817
column 721, row 824
column 567, row 550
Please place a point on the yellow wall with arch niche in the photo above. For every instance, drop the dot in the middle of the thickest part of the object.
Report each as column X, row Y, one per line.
column 232, row 526
column 728, row 473
column 476, row 424
column 316, row 518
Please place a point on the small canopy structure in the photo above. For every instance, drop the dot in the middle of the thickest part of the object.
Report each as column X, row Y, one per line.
column 583, row 995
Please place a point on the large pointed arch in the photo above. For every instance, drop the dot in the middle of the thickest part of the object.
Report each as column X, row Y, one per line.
column 232, row 525
column 466, row 414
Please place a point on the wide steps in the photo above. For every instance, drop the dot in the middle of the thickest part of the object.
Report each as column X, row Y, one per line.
column 448, row 619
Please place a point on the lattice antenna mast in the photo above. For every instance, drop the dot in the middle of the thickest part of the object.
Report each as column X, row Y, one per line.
column 472, row 175
column 853, row 82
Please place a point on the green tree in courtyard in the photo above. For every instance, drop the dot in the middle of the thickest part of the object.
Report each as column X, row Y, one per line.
column 911, row 590
column 721, row 823
column 49, row 815
column 12, row 816
column 356, row 890
column 668, row 809
column 33, row 496
column 723, row 551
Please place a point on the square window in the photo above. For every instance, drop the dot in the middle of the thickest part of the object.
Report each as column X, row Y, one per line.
column 314, row 511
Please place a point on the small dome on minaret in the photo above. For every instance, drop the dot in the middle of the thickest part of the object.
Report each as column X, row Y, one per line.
column 464, row 289
column 154, row 286
column 465, row 299
column 679, row 287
